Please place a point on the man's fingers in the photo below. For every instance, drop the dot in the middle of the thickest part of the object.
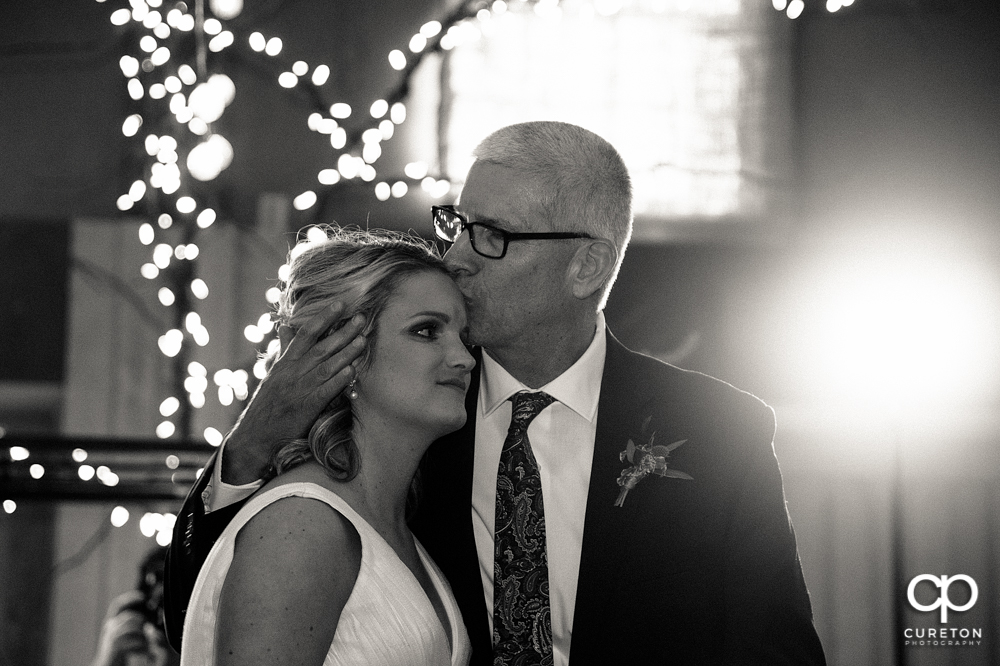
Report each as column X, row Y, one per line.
column 343, row 345
column 314, row 329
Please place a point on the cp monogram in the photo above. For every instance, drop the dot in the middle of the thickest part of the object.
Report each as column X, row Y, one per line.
column 943, row 601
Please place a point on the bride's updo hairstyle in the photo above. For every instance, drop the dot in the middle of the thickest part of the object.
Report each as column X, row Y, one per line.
column 362, row 269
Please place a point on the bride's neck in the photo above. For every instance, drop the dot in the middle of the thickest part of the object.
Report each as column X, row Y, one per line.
column 389, row 460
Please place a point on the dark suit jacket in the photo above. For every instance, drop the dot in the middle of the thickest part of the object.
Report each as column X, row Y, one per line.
column 701, row 571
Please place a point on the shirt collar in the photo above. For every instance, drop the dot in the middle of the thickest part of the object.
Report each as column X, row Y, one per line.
column 579, row 387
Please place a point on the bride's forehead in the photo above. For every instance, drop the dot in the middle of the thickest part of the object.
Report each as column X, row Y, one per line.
column 420, row 291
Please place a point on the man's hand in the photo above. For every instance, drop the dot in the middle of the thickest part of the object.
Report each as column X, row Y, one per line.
column 310, row 371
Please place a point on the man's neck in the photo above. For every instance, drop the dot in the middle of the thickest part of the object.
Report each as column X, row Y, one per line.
column 537, row 362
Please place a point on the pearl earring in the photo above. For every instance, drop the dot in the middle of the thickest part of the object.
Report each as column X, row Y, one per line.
column 352, row 390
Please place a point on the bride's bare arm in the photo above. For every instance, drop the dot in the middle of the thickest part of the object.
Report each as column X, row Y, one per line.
column 293, row 569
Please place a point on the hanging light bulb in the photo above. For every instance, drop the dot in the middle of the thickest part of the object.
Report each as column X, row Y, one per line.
column 209, row 158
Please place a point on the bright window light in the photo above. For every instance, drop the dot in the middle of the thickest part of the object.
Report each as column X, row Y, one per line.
column 694, row 96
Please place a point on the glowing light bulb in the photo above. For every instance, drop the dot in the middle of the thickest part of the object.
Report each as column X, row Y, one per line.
column 209, row 158
column 399, row 189
column 160, row 56
column 199, row 289
column 347, row 167
column 170, row 342
column 273, row 46
column 119, row 516
column 169, row 406
column 383, row 191
column 9, row 506
column 226, row 9
column 257, row 42
column 795, row 8
column 397, row 59
column 430, row 29
column 149, row 271
column 165, row 429
column 379, row 108
column 79, row 455
column 387, row 129
column 124, row 203
column 417, row 43
column 340, row 110
column 272, row 295
column 166, row 296
column 398, row 113
column 221, row 41
column 129, row 65
column 146, row 233
column 187, row 74
column 287, row 80
column 132, row 124
column 371, row 151
column 206, row 218
column 328, row 176
column 320, row 75
column 137, row 191
column 86, row 472
column 18, row 453
column 338, row 139
column 213, row 436
column 36, row 471
column 304, row 201
column 415, row 170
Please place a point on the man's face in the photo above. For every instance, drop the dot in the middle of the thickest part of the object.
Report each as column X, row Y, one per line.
column 524, row 294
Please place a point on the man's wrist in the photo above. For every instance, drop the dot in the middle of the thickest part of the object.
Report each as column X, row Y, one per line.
column 242, row 462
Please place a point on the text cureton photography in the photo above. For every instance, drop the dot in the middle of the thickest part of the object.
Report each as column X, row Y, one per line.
column 942, row 636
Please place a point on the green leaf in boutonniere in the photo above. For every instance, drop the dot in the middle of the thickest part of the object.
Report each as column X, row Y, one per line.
column 646, row 459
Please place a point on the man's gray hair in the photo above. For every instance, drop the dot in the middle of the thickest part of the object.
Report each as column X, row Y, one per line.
column 584, row 183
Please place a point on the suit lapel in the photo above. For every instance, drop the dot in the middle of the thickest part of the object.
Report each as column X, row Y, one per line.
column 619, row 414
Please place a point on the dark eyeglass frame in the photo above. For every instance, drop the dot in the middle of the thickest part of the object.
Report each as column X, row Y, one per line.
column 508, row 236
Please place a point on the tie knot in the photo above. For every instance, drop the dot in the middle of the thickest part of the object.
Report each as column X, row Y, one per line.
column 527, row 406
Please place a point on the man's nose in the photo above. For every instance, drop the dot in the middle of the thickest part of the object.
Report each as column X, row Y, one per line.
column 460, row 256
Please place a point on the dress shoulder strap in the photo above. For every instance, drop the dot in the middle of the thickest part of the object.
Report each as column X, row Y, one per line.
column 308, row 490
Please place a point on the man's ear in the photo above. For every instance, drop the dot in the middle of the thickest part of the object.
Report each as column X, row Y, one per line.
column 591, row 267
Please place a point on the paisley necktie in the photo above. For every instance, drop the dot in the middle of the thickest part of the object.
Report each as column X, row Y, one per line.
column 522, row 623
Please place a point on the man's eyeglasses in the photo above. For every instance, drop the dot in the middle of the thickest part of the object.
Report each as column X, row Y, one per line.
column 487, row 241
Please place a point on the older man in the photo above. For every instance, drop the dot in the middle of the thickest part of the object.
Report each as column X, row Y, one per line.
column 598, row 507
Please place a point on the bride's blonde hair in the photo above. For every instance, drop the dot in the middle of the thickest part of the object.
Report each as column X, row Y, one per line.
column 362, row 269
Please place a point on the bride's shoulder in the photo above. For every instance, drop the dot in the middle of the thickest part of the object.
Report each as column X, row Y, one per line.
column 308, row 472
column 305, row 523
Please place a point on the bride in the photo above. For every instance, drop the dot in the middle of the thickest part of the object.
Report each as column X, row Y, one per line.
column 320, row 567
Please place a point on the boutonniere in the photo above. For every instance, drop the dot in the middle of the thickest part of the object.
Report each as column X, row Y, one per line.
column 645, row 459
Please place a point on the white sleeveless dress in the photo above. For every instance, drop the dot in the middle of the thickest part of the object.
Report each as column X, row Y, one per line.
column 388, row 619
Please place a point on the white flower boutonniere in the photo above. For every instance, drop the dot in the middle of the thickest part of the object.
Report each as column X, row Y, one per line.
column 645, row 459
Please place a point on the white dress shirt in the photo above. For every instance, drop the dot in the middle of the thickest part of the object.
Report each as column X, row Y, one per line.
column 562, row 440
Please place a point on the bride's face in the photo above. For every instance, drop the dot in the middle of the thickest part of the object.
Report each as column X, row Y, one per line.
column 420, row 366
